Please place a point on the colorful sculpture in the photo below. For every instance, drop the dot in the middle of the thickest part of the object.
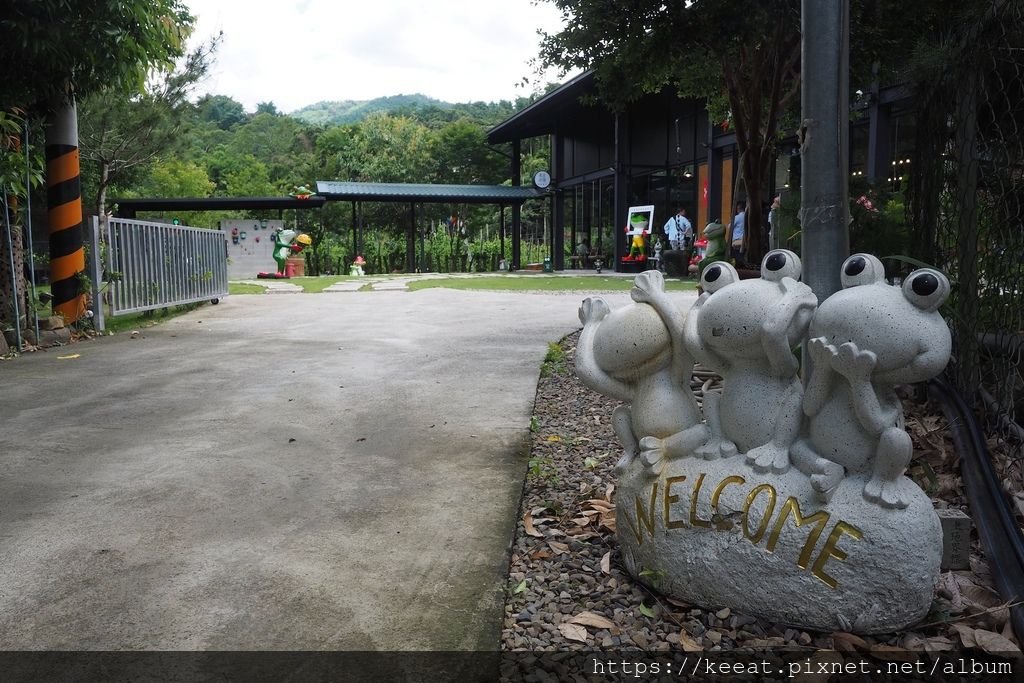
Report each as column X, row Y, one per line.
column 786, row 504
column 357, row 267
column 637, row 229
column 714, row 233
column 287, row 243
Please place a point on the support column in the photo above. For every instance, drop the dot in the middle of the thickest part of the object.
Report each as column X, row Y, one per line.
column 620, row 198
column 517, row 209
column 64, row 204
column 557, row 204
column 879, row 140
column 501, row 232
column 410, row 241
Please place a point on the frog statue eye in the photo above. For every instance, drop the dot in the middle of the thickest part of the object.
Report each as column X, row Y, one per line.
column 926, row 288
column 862, row 269
column 780, row 263
column 718, row 275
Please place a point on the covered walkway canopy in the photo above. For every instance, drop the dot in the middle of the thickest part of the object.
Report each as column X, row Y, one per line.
column 127, row 208
column 330, row 190
column 502, row 195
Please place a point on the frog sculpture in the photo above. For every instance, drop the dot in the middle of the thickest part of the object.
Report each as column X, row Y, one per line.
column 746, row 330
column 636, row 354
column 864, row 340
column 787, row 503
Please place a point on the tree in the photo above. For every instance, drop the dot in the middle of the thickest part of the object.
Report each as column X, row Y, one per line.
column 221, row 110
column 54, row 50
column 743, row 57
column 120, row 131
column 267, row 108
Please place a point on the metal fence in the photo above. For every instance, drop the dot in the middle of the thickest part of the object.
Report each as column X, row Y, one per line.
column 967, row 201
column 152, row 265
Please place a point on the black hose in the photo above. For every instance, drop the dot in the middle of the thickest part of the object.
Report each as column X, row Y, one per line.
column 997, row 528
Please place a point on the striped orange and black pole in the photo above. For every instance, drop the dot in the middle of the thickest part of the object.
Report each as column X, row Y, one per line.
column 64, row 204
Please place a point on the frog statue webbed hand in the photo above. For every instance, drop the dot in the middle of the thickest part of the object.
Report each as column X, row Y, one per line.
column 636, row 355
column 864, row 340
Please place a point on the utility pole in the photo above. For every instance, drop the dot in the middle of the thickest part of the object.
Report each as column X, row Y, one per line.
column 824, row 143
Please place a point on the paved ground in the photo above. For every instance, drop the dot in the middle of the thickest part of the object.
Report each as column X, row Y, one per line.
column 323, row 471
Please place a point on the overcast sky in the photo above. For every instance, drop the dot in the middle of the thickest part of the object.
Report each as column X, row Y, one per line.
column 297, row 52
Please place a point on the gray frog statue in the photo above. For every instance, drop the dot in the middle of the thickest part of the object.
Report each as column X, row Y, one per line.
column 864, row 340
column 746, row 330
column 636, row 354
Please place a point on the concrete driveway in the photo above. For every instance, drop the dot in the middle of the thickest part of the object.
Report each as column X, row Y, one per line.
column 332, row 471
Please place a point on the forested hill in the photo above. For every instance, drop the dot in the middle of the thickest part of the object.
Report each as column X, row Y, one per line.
column 419, row 107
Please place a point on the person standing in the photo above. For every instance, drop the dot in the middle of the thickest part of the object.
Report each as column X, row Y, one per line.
column 736, row 231
column 679, row 230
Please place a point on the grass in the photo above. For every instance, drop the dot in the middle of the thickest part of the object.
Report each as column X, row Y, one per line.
column 245, row 288
column 554, row 361
column 546, row 283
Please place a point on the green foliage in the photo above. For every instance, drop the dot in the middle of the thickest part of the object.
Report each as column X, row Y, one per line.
column 554, row 361
column 543, row 469
column 221, row 110
column 53, row 49
column 878, row 222
column 17, row 168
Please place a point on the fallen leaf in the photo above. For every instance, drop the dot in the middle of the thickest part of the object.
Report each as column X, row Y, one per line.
column 519, row 588
column 606, row 563
column 573, row 632
column 592, row 619
column 528, row 526
column 559, row 548
column 688, row 644
column 74, row 355
column 966, row 634
column 554, row 437
column 599, row 504
column 848, row 642
column 994, row 644
column 540, row 554
column 938, row 644
column 608, row 492
column 581, row 521
column 646, row 611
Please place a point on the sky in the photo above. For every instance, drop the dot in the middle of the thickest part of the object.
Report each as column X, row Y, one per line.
column 298, row 52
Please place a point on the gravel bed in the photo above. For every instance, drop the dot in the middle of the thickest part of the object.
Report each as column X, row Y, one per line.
column 568, row 589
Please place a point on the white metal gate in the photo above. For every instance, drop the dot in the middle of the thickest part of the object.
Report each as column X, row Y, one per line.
column 153, row 265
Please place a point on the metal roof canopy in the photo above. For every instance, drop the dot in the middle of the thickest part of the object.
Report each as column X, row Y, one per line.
column 426, row 193
column 539, row 117
column 127, row 208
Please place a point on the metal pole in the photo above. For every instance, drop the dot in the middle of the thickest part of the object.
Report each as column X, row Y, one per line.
column 28, row 232
column 96, row 274
column 14, row 274
column 824, row 143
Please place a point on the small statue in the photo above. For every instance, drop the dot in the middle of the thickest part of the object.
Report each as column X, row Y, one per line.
column 287, row 243
column 357, row 267
column 864, row 340
column 636, row 354
column 714, row 233
column 746, row 330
